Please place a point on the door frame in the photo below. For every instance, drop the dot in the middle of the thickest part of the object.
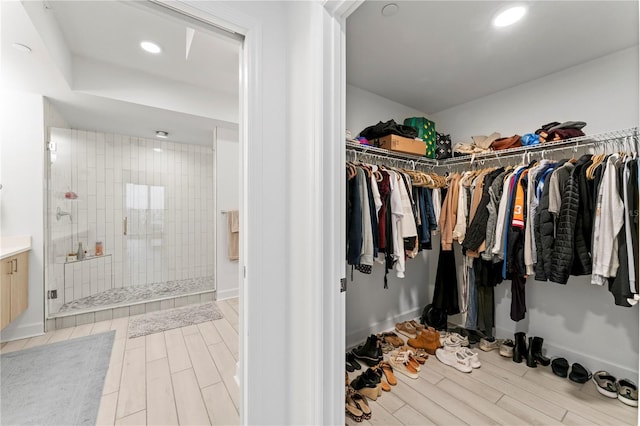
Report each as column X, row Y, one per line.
column 322, row 401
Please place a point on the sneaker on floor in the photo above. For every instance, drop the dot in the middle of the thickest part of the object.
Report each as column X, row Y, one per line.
column 490, row 345
column 506, row 348
column 453, row 338
column 627, row 392
column 456, row 360
column 474, row 361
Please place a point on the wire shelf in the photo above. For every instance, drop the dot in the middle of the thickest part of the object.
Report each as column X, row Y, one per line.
column 599, row 139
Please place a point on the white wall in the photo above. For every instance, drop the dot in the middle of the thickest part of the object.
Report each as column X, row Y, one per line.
column 578, row 321
column 21, row 197
column 365, row 109
column 227, row 158
column 370, row 308
column 602, row 92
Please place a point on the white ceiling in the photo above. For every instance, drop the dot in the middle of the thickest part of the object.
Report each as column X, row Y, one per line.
column 86, row 58
column 433, row 55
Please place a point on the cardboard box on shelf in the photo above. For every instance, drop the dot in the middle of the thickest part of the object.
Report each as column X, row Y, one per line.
column 401, row 144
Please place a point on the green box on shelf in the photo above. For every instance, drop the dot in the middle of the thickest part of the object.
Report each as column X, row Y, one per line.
column 426, row 131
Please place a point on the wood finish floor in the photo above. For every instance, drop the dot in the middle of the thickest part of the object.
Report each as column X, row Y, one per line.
column 181, row 376
column 185, row 376
column 500, row 392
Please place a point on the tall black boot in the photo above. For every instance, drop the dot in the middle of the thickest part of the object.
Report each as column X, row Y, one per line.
column 531, row 360
column 520, row 348
column 536, row 351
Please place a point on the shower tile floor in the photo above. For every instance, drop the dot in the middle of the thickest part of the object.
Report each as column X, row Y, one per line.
column 140, row 293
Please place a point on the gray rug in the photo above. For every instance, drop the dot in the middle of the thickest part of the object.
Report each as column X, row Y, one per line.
column 56, row 384
column 155, row 322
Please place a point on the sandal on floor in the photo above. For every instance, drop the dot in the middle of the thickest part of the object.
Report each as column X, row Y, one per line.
column 393, row 339
column 352, row 410
column 362, row 404
column 421, row 355
column 605, row 384
column 628, row 392
column 388, row 373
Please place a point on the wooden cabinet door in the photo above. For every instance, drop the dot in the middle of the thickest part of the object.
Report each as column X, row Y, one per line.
column 5, row 293
column 20, row 285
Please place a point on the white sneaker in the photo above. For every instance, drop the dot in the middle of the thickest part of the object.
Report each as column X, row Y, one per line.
column 473, row 357
column 487, row 345
column 506, row 348
column 453, row 338
column 456, row 360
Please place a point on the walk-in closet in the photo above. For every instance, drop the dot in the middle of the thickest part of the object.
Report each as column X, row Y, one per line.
column 532, row 294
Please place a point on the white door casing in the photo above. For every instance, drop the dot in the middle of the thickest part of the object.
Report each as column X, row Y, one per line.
column 292, row 321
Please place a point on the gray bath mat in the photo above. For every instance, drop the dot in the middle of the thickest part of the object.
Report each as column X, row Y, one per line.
column 155, row 322
column 56, row 384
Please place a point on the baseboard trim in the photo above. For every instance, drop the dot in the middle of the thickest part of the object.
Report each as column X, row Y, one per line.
column 227, row 294
column 591, row 363
column 356, row 337
column 22, row 332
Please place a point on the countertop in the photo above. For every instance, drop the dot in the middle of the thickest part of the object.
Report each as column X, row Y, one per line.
column 10, row 246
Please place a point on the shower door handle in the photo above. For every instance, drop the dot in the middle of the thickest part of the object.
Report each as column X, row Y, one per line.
column 124, row 226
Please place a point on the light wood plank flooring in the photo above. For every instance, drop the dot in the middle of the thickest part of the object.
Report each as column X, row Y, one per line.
column 181, row 376
column 185, row 376
column 500, row 392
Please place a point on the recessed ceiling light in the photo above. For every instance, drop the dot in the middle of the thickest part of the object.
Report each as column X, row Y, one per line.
column 390, row 9
column 162, row 134
column 150, row 47
column 21, row 47
column 157, row 149
column 509, row 16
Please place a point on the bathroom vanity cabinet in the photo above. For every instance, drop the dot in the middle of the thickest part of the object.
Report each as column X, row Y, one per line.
column 14, row 287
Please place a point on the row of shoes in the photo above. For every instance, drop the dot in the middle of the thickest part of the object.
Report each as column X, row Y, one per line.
column 624, row 390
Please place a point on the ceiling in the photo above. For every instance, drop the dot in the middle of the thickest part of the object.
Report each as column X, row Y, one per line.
column 86, row 59
column 434, row 55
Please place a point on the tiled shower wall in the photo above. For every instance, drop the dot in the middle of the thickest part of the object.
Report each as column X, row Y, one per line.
column 160, row 192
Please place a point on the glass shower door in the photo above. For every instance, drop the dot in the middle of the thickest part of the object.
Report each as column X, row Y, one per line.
column 143, row 228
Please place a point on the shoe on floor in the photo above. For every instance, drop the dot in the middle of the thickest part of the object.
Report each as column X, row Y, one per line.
column 453, row 338
column 506, row 348
column 351, row 359
column 628, row 392
column 605, row 384
column 419, row 327
column 474, row 361
column 560, row 367
column 579, row 374
column 370, row 352
column 490, row 345
column 406, row 328
column 454, row 359
column 399, row 360
column 392, row 338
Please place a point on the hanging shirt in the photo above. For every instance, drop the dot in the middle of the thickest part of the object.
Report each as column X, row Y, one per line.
column 397, row 213
column 609, row 220
column 366, row 253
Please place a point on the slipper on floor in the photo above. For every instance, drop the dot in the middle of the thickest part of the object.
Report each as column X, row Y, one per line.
column 605, row 384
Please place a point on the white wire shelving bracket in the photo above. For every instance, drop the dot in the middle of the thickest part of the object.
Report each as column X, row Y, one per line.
column 627, row 136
